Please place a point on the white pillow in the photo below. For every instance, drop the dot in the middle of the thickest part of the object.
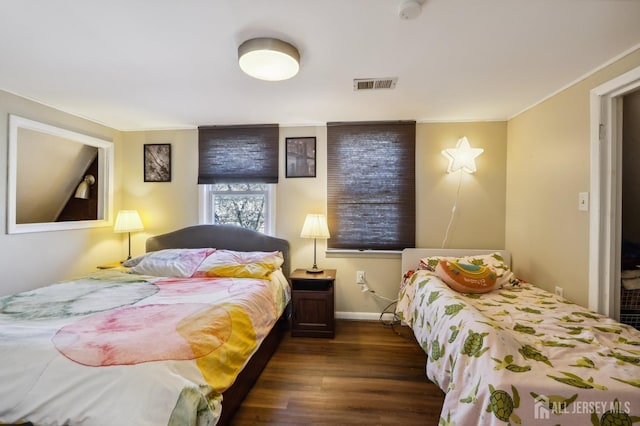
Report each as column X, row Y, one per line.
column 181, row 263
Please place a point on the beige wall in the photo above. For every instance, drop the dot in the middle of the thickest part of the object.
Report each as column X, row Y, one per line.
column 479, row 219
column 480, row 210
column 548, row 165
column 163, row 206
column 527, row 204
column 31, row 260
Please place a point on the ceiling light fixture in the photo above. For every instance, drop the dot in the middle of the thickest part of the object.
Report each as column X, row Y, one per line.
column 268, row 59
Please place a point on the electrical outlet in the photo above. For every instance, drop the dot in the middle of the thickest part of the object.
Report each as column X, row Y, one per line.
column 360, row 277
column 560, row 291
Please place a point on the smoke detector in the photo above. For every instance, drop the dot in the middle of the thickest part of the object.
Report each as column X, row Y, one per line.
column 409, row 9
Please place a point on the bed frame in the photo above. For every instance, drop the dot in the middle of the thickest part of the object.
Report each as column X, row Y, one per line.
column 238, row 239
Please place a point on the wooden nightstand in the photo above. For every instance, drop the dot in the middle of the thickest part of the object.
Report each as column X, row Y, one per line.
column 312, row 302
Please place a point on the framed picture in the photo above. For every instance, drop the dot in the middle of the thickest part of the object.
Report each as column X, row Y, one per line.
column 157, row 162
column 301, row 157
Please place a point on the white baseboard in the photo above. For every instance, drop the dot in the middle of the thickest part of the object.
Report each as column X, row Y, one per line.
column 364, row 316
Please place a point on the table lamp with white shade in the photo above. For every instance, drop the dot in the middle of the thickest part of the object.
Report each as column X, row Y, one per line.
column 315, row 226
column 128, row 221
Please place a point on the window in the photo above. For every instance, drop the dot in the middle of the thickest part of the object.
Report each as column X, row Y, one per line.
column 237, row 165
column 371, row 185
column 246, row 205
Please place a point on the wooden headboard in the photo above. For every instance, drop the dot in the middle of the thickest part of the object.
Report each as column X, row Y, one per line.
column 411, row 256
column 221, row 237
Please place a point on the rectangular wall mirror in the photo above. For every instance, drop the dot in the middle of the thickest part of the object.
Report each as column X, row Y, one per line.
column 57, row 179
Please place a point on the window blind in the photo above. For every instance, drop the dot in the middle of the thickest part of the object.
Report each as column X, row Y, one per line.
column 371, row 185
column 238, row 154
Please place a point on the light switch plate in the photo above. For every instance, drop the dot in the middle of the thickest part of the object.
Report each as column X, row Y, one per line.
column 583, row 201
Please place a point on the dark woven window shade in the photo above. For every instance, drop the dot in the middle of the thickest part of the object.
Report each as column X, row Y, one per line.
column 371, row 185
column 238, row 154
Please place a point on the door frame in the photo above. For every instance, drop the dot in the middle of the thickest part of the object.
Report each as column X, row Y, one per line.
column 605, row 220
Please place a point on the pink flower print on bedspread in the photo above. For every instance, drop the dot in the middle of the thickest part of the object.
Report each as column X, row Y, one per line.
column 223, row 287
column 130, row 335
column 197, row 325
column 254, row 295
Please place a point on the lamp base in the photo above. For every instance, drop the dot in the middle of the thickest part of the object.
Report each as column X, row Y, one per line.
column 315, row 270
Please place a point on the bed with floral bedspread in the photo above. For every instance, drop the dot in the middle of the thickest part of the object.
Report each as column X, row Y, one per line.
column 521, row 355
column 124, row 348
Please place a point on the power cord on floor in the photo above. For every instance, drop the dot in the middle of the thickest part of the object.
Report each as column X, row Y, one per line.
column 386, row 323
column 392, row 323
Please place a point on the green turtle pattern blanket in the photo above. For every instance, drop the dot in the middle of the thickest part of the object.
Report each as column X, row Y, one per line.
column 522, row 355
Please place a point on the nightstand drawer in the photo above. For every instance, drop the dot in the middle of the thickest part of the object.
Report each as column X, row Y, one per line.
column 312, row 285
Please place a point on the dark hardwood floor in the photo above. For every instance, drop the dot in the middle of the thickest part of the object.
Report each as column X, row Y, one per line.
column 366, row 375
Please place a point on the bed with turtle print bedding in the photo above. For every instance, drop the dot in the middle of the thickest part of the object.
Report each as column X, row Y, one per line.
column 161, row 342
column 517, row 354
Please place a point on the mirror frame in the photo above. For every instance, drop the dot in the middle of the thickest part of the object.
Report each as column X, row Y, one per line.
column 105, row 171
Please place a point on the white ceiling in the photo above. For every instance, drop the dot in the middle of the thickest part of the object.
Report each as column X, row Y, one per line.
column 161, row 64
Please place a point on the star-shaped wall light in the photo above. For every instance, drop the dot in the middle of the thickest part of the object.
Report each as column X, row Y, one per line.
column 462, row 156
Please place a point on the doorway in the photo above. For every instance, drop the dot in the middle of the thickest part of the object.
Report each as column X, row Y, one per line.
column 605, row 221
column 629, row 308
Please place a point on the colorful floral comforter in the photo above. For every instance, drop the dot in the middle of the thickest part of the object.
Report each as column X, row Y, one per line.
column 521, row 355
column 115, row 348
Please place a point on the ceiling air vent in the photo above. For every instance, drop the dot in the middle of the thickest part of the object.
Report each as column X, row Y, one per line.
column 374, row 83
